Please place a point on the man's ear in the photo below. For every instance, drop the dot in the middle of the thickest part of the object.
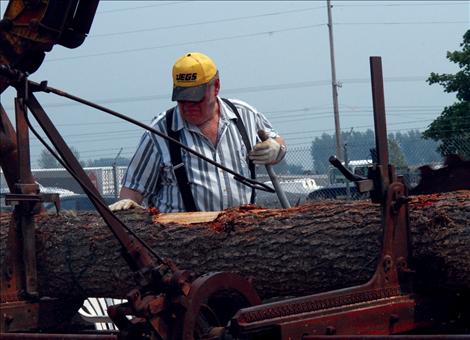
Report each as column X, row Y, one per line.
column 216, row 86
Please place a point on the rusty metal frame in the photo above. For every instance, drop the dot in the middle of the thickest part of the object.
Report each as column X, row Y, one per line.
column 386, row 304
column 161, row 288
column 168, row 301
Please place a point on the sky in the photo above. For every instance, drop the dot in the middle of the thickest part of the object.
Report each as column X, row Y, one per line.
column 274, row 55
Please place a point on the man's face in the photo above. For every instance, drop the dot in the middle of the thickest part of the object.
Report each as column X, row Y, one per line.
column 198, row 113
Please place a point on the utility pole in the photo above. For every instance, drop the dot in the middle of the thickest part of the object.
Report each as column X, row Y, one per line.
column 116, row 175
column 334, row 85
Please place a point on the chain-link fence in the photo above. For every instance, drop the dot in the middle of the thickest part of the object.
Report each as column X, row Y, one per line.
column 106, row 179
column 305, row 174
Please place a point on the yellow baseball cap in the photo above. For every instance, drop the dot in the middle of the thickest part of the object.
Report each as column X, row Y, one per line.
column 191, row 73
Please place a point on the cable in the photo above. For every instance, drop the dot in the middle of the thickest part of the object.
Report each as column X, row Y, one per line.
column 141, row 7
column 259, row 88
column 204, row 22
column 402, row 23
column 308, row 116
column 97, row 198
column 403, row 3
column 308, row 111
column 252, row 183
column 269, row 33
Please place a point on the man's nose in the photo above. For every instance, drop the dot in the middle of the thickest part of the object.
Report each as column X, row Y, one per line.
column 188, row 103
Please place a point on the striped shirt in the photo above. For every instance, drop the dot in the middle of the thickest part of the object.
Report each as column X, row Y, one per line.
column 151, row 173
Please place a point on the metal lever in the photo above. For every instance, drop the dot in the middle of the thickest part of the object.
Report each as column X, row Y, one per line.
column 272, row 175
column 345, row 171
column 362, row 183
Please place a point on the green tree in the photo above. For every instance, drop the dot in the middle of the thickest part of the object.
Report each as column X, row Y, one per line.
column 48, row 161
column 452, row 127
column 395, row 154
column 120, row 161
column 417, row 150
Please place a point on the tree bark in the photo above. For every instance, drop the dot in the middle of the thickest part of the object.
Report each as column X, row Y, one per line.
column 288, row 252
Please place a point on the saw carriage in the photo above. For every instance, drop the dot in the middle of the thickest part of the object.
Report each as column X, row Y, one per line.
column 166, row 301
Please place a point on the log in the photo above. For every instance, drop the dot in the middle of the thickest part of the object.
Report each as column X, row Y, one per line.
column 288, row 252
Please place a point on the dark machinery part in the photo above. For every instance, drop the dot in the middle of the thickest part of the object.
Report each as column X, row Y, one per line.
column 30, row 28
column 172, row 304
column 166, row 302
column 169, row 303
column 385, row 305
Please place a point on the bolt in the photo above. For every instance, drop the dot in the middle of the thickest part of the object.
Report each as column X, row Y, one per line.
column 8, row 319
column 330, row 330
column 6, row 24
column 394, row 318
column 8, row 273
column 387, row 263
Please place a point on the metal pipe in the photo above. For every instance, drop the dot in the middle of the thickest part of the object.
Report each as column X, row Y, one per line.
column 17, row 336
column 272, row 175
column 277, row 186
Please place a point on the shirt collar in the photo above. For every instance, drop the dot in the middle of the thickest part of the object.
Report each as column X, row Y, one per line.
column 179, row 123
column 226, row 111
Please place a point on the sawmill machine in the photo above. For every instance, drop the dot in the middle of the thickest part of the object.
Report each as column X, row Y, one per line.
column 168, row 302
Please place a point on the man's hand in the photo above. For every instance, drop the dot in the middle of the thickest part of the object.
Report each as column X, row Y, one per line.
column 266, row 152
column 124, row 204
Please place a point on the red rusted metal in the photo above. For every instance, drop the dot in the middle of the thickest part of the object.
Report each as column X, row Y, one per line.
column 171, row 304
column 383, row 306
column 8, row 150
column 162, row 288
column 139, row 257
column 380, row 125
column 239, row 293
column 384, row 337
column 12, row 276
column 44, row 313
column 33, row 336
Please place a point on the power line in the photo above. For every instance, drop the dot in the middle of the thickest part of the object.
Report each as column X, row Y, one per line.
column 402, row 23
column 151, row 29
column 268, row 33
column 140, row 7
column 360, row 127
column 259, row 88
column 403, row 4
column 310, row 140
column 308, row 112
column 126, row 134
column 362, row 113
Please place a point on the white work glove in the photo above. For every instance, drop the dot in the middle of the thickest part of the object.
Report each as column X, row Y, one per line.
column 124, row 204
column 266, row 152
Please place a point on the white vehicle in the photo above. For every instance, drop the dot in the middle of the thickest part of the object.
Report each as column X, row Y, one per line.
column 42, row 189
column 339, row 186
column 357, row 167
column 297, row 185
column 55, row 190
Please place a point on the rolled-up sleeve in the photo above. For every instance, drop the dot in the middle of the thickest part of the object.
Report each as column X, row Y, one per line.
column 262, row 123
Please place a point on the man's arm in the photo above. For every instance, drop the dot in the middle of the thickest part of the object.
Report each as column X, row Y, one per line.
column 127, row 193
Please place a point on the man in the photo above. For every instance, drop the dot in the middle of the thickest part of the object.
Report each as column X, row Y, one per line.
column 207, row 124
